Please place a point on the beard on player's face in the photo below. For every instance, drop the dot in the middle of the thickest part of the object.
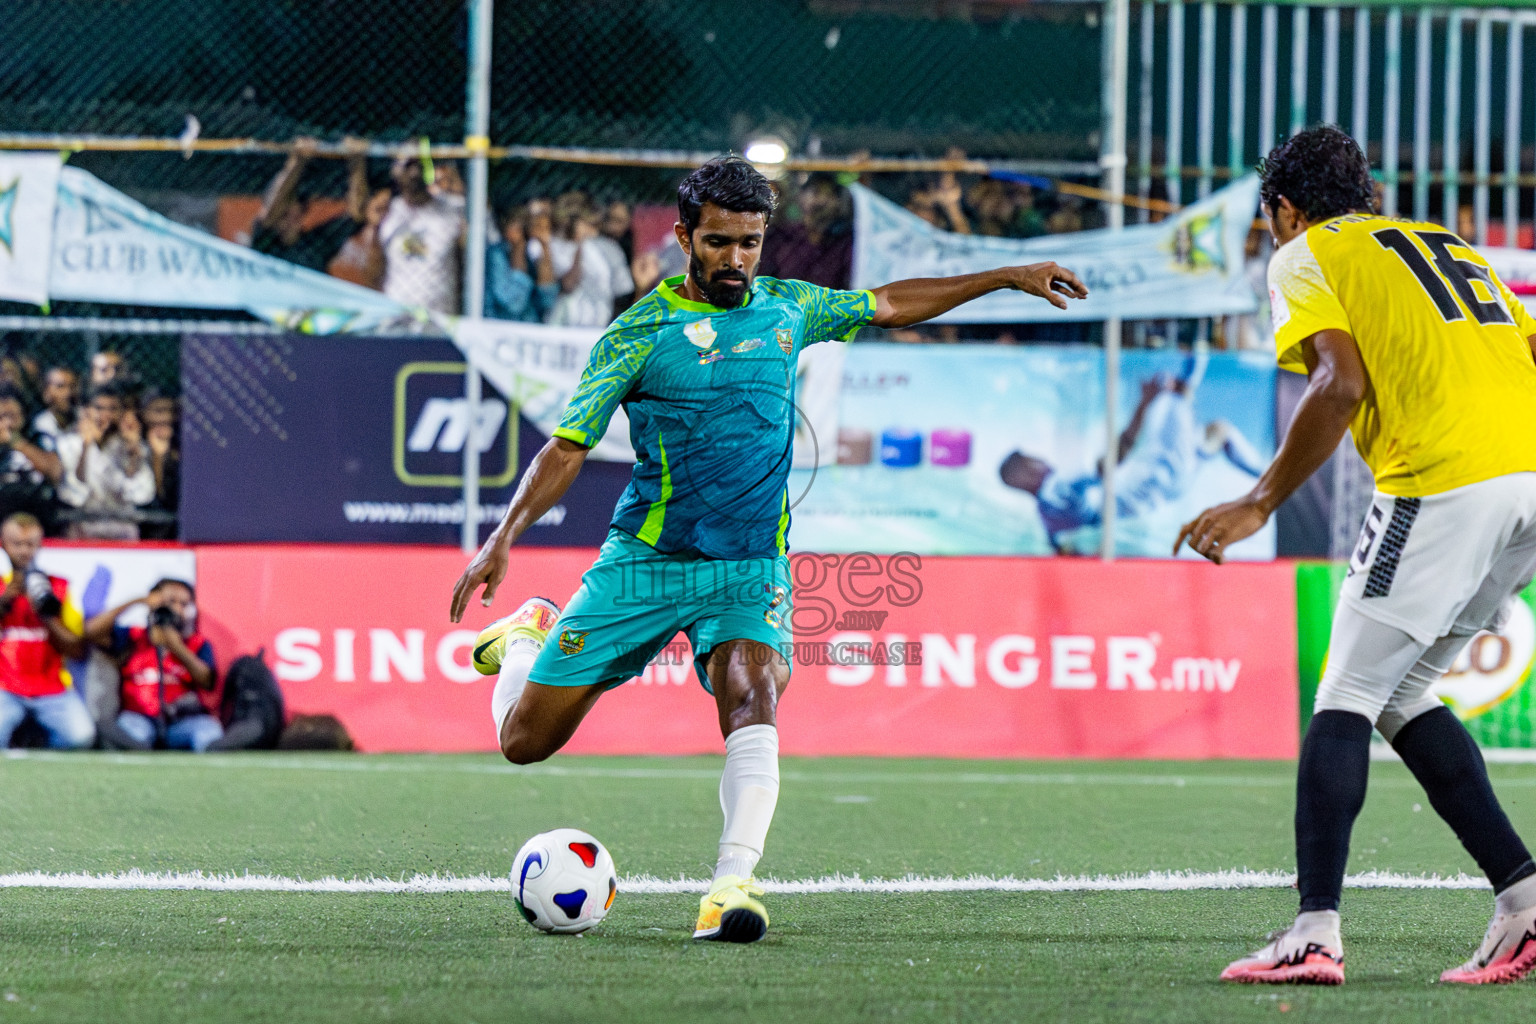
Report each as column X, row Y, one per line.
column 724, row 287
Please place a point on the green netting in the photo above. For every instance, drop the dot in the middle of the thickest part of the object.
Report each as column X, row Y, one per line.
column 694, row 73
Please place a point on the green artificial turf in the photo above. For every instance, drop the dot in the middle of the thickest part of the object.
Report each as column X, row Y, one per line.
column 1073, row 956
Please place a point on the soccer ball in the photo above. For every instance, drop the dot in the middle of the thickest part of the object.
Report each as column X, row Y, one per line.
column 563, row 881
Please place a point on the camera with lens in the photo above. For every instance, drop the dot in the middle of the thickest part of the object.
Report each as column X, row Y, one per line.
column 165, row 617
column 39, row 590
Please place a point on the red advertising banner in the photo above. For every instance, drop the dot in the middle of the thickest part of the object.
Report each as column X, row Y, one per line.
column 896, row 655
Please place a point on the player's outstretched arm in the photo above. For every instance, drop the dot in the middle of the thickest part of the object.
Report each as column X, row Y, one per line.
column 547, row 480
column 1336, row 385
column 904, row 303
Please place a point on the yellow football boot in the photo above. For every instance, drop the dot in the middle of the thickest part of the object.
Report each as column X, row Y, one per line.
column 728, row 912
column 531, row 622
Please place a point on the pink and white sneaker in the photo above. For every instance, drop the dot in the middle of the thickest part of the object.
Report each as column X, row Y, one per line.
column 1309, row 952
column 1507, row 954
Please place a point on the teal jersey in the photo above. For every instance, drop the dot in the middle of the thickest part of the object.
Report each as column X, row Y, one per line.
column 710, row 395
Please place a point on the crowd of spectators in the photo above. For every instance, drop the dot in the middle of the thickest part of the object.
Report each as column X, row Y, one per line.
column 571, row 260
column 563, row 260
column 96, row 458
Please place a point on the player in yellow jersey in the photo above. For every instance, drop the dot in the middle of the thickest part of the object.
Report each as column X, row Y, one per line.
column 1410, row 340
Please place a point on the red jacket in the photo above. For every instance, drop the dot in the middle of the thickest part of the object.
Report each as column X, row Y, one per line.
column 141, row 672
column 29, row 664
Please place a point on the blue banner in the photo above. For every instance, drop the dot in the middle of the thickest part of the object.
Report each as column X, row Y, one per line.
column 357, row 439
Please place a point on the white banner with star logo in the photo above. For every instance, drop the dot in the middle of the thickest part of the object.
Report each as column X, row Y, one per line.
column 1189, row 265
column 29, row 188
column 110, row 248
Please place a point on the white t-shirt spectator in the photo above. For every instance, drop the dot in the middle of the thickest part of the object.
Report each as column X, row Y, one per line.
column 46, row 424
column 604, row 277
column 421, row 253
column 108, row 486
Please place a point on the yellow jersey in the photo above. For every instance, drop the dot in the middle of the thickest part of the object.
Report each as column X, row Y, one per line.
column 1452, row 393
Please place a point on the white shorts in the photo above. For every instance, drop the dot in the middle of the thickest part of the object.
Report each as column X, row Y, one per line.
column 1427, row 575
column 1448, row 563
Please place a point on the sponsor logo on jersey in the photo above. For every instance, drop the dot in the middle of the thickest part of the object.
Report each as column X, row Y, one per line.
column 748, row 345
column 786, row 339
column 700, row 333
column 573, row 641
column 713, row 355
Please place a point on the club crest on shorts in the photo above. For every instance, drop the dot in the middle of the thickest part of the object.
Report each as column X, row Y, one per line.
column 572, row 641
column 786, row 339
column 700, row 333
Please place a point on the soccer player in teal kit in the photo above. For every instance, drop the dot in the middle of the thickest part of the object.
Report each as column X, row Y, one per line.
column 705, row 367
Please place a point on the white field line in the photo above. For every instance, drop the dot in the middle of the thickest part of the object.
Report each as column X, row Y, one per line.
column 418, row 764
column 1156, row 881
column 427, row 763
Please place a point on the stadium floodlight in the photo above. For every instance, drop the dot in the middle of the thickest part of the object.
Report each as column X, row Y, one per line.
column 766, row 149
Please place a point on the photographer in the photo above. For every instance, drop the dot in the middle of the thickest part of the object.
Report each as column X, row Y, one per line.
column 166, row 667
column 39, row 628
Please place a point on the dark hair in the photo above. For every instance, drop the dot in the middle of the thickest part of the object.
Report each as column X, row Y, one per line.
column 173, row 581
column 728, row 182
column 111, row 389
column 9, row 391
column 1322, row 171
column 506, row 213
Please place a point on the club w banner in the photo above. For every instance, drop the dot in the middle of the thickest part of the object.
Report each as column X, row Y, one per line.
column 109, row 248
column 28, row 185
column 1190, row 265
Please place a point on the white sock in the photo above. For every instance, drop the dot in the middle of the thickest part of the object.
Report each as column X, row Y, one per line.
column 515, row 666
column 1518, row 897
column 1320, row 926
column 749, row 791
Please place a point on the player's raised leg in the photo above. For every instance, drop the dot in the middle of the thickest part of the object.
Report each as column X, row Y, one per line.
column 531, row 730
column 748, row 677
column 507, row 648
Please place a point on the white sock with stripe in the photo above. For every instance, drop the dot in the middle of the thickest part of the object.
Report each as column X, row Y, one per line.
column 749, row 792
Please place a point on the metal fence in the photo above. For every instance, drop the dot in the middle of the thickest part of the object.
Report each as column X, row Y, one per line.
column 1438, row 96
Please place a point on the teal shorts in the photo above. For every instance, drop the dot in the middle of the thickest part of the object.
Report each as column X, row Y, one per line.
column 635, row 600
